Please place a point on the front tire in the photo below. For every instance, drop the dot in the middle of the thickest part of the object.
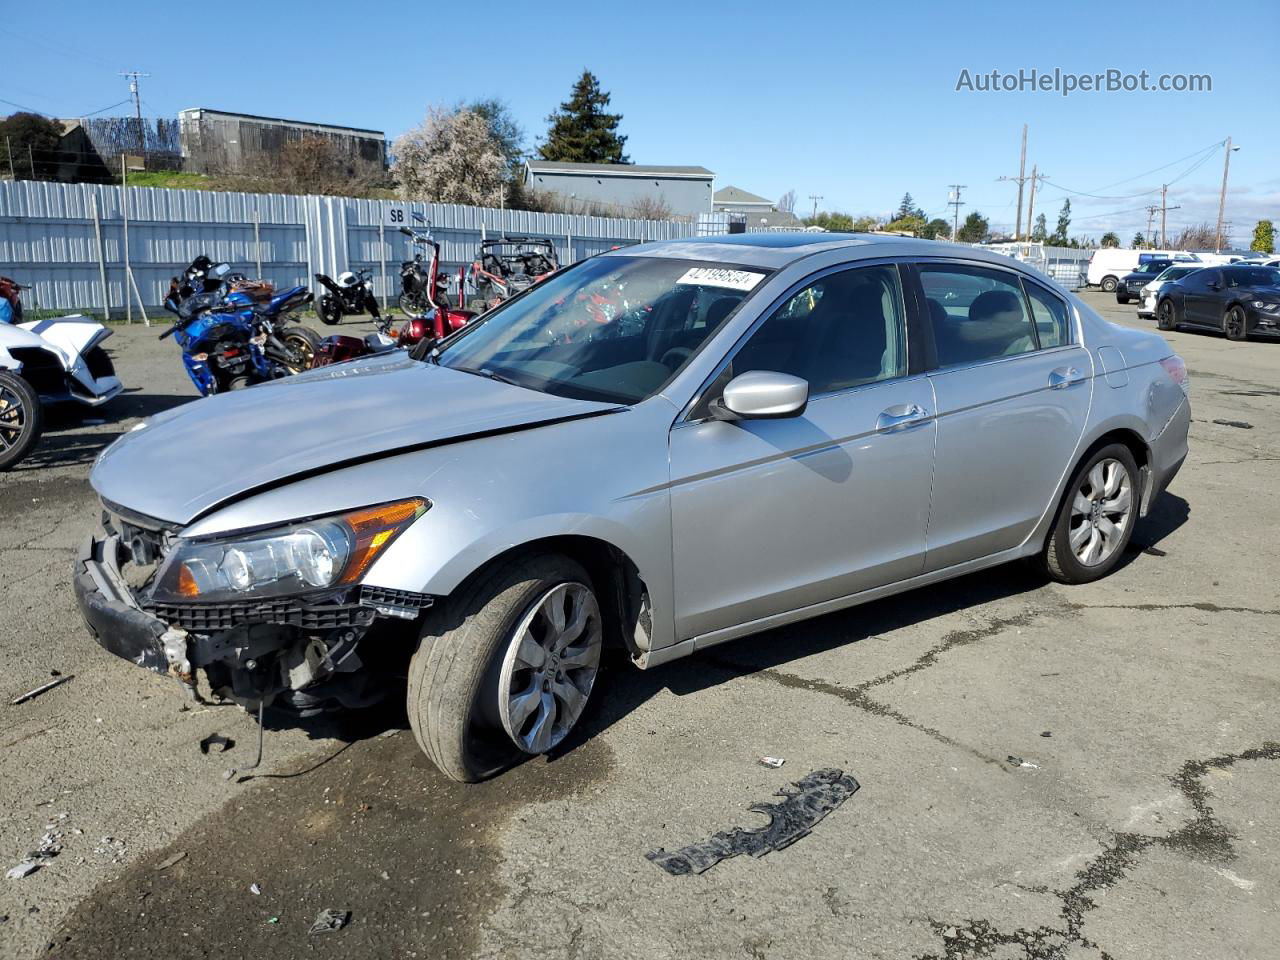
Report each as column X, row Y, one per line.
column 1235, row 325
column 1096, row 519
column 1109, row 284
column 1122, row 298
column 411, row 304
column 505, row 668
column 1166, row 315
column 21, row 419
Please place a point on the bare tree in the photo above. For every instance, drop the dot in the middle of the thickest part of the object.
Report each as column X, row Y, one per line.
column 651, row 208
column 452, row 157
column 787, row 202
column 1199, row 236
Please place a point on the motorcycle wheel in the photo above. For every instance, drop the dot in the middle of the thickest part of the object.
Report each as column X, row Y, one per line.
column 411, row 304
column 239, row 383
column 21, row 419
column 329, row 310
column 302, row 342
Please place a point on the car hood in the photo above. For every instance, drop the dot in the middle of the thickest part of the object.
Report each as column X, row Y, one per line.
column 185, row 462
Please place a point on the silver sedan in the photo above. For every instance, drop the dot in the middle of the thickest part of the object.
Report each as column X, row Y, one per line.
column 662, row 448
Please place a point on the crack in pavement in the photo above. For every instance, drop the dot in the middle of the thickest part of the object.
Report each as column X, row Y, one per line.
column 1202, row 606
column 857, row 696
column 1202, row 836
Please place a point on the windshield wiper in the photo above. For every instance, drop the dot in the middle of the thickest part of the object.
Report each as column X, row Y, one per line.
column 489, row 374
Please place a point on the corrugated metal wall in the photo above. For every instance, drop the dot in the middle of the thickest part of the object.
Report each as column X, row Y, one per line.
column 48, row 240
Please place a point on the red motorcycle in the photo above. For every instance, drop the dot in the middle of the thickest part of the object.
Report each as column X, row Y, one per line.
column 435, row 323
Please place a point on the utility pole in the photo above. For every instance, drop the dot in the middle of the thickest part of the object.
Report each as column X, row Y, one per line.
column 1151, row 215
column 1020, row 179
column 1164, row 213
column 1031, row 203
column 815, row 197
column 953, row 200
column 1222, row 197
column 134, row 76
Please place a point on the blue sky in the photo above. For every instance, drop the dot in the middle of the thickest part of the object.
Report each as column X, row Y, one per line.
column 853, row 101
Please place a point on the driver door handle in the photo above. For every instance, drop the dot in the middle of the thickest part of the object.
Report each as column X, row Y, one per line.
column 1063, row 377
column 901, row 417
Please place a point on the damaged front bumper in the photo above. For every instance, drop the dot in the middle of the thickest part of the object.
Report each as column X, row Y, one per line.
column 302, row 650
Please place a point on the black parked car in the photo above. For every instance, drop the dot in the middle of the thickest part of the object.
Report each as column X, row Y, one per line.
column 1239, row 301
column 1130, row 285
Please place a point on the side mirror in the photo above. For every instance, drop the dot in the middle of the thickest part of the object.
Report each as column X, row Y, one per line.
column 406, row 231
column 761, row 395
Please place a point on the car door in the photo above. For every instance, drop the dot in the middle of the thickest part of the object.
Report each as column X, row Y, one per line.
column 773, row 515
column 1013, row 387
column 1200, row 297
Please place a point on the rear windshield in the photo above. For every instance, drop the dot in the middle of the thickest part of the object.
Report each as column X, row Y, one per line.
column 612, row 328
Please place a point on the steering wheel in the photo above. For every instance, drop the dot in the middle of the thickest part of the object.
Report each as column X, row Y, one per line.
column 676, row 356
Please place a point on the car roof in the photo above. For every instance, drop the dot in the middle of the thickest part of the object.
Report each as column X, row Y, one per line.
column 773, row 251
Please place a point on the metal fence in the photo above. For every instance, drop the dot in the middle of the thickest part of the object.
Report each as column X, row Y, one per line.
column 68, row 241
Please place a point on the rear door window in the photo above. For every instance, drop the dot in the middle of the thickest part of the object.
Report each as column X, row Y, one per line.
column 977, row 313
column 1051, row 315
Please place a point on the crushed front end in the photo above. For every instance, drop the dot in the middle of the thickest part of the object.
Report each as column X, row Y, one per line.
column 296, row 638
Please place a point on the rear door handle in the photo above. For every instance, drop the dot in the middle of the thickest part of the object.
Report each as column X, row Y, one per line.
column 901, row 417
column 1063, row 377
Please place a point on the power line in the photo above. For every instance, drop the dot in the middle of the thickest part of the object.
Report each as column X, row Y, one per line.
column 24, row 109
column 1171, row 163
column 105, row 109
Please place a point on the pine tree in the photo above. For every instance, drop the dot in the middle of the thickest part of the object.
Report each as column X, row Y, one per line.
column 1059, row 236
column 581, row 131
column 1041, row 232
column 907, row 208
column 1139, row 241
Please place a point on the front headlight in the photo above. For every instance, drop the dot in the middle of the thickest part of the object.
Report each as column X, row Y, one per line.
column 302, row 557
column 1266, row 305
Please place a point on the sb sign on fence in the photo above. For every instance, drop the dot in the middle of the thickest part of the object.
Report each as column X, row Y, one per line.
column 397, row 215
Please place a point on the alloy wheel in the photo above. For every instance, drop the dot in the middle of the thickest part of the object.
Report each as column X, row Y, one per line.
column 552, row 659
column 13, row 419
column 1101, row 511
column 1235, row 323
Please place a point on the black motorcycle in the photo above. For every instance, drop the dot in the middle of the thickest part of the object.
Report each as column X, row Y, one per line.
column 351, row 293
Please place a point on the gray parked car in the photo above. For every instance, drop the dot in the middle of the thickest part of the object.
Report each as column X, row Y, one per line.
column 665, row 447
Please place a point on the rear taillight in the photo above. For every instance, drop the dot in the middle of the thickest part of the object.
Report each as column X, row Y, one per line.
column 1176, row 368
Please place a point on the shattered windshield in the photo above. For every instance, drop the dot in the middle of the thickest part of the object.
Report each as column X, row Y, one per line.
column 614, row 329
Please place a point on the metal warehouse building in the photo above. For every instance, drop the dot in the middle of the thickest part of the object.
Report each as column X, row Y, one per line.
column 621, row 189
column 214, row 141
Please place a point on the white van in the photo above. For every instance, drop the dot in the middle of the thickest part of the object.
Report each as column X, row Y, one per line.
column 1109, row 264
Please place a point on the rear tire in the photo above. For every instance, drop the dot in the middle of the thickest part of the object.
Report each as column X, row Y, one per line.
column 21, row 419
column 1097, row 517
column 1109, row 284
column 304, row 342
column 329, row 310
column 456, row 700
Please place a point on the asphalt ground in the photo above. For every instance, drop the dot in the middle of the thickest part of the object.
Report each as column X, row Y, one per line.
column 1139, row 823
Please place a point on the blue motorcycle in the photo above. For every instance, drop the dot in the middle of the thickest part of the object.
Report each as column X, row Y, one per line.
column 230, row 340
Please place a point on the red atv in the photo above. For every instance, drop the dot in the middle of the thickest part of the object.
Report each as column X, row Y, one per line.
column 512, row 265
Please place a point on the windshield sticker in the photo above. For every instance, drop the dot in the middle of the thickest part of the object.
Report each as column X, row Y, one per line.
column 717, row 277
